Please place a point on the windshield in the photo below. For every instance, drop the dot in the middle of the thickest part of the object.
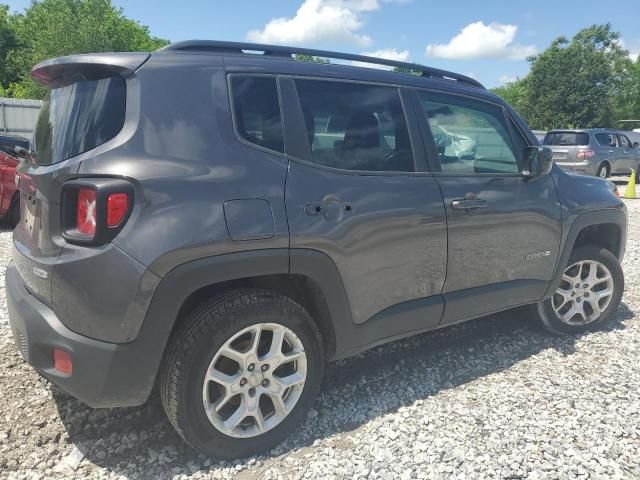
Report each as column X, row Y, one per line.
column 566, row 138
column 78, row 117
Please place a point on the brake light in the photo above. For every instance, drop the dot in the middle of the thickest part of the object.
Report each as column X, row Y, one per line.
column 94, row 210
column 62, row 361
column 585, row 154
column 117, row 206
column 86, row 212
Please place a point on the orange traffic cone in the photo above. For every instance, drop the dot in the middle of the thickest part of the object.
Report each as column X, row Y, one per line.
column 630, row 192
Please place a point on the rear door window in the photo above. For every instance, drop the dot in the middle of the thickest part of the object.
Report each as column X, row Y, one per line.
column 606, row 139
column 78, row 117
column 256, row 111
column 566, row 138
column 355, row 126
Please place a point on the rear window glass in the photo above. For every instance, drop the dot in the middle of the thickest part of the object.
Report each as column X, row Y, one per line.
column 79, row 117
column 566, row 138
column 256, row 111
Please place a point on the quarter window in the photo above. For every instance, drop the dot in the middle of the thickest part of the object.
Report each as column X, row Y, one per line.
column 355, row 127
column 256, row 111
column 470, row 136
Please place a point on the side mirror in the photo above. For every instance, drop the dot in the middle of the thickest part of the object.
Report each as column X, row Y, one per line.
column 20, row 151
column 538, row 161
column 636, row 145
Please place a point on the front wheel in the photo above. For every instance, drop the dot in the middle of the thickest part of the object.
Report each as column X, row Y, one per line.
column 588, row 295
column 241, row 373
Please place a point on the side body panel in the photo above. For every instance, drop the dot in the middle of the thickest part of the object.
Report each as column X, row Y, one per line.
column 185, row 156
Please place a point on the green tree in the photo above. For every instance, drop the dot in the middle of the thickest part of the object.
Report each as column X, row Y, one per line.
column 303, row 57
column 410, row 71
column 53, row 28
column 8, row 43
column 578, row 83
column 514, row 93
column 627, row 100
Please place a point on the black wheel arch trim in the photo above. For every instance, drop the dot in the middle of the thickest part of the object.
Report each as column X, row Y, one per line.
column 177, row 285
column 587, row 219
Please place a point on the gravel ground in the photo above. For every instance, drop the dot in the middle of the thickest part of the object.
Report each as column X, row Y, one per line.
column 493, row 398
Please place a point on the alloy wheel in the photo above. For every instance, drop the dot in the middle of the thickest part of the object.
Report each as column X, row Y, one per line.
column 254, row 380
column 584, row 293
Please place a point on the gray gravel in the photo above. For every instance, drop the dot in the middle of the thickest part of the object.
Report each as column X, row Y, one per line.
column 493, row 398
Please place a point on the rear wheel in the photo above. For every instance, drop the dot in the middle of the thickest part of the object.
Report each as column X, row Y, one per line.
column 603, row 171
column 241, row 373
column 588, row 295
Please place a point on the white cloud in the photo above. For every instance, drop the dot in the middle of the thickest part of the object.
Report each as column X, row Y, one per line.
column 319, row 21
column 634, row 49
column 388, row 53
column 504, row 79
column 478, row 40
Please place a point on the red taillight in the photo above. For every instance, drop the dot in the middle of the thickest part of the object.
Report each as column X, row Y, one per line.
column 117, row 206
column 62, row 361
column 585, row 153
column 94, row 210
column 86, row 211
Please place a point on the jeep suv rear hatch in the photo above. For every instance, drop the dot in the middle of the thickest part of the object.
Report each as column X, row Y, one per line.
column 84, row 108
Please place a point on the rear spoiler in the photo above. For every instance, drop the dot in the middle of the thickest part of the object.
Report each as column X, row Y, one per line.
column 62, row 71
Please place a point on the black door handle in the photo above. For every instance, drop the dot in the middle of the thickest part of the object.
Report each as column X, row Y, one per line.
column 313, row 209
column 319, row 208
column 469, row 204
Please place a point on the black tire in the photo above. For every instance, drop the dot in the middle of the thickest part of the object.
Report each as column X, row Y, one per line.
column 604, row 167
column 552, row 322
column 193, row 347
column 13, row 215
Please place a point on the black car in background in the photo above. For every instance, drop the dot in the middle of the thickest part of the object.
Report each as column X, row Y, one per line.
column 8, row 144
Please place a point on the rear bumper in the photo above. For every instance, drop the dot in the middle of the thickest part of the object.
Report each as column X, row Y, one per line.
column 104, row 374
column 585, row 168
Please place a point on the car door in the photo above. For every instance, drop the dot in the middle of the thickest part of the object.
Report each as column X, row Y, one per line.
column 628, row 154
column 503, row 229
column 605, row 148
column 353, row 193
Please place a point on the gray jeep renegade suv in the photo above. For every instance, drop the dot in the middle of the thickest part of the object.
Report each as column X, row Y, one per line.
column 221, row 219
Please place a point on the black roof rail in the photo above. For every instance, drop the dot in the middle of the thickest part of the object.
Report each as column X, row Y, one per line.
column 215, row 46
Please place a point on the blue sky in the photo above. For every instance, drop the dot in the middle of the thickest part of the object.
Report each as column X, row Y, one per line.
column 488, row 39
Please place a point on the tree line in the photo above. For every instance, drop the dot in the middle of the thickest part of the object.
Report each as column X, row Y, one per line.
column 52, row 28
column 583, row 82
